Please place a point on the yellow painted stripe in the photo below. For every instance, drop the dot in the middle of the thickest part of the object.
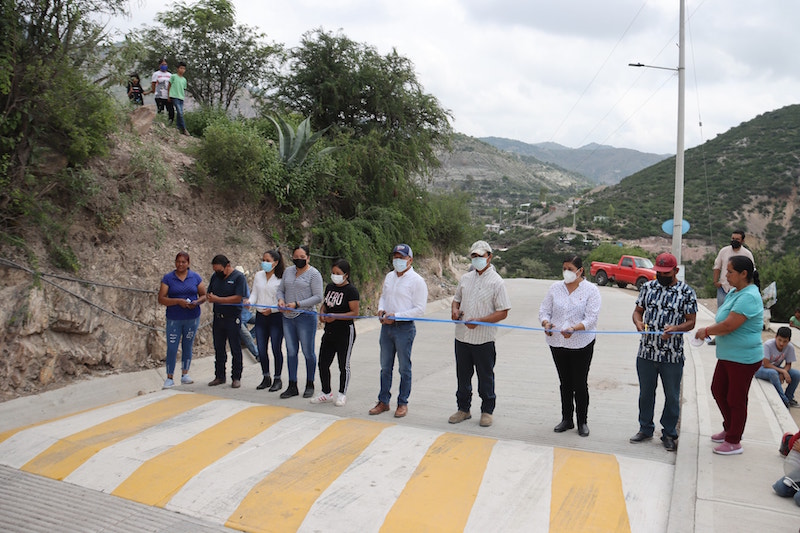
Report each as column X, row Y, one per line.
column 63, row 457
column 157, row 480
column 586, row 493
column 440, row 494
column 281, row 501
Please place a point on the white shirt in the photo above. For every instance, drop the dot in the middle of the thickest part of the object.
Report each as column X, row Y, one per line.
column 480, row 295
column 162, row 81
column 721, row 262
column 404, row 296
column 265, row 291
column 565, row 310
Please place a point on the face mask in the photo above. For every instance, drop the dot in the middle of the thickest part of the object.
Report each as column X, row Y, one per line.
column 400, row 265
column 479, row 263
column 736, row 244
column 266, row 266
column 163, row 68
column 337, row 279
column 569, row 276
column 300, row 263
column 666, row 281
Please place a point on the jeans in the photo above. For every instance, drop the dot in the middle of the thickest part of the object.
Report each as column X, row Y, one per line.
column 247, row 339
column 226, row 329
column 180, row 332
column 396, row 339
column 300, row 331
column 729, row 386
column 771, row 375
column 572, row 365
column 480, row 359
column 671, row 375
column 178, row 104
column 270, row 327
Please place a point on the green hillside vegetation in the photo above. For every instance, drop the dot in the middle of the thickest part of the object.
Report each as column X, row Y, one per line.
column 340, row 165
column 746, row 178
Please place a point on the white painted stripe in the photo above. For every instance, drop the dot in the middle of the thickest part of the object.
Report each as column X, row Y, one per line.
column 365, row 492
column 217, row 491
column 515, row 491
column 25, row 445
column 647, row 486
column 113, row 465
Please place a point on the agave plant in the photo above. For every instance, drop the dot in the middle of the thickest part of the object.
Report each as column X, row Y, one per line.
column 294, row 146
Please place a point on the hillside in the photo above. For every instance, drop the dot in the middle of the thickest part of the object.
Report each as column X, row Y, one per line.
column 745, row 178
column 599, row 163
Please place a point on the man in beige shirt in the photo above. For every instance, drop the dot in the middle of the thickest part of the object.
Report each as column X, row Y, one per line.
column 736, row 247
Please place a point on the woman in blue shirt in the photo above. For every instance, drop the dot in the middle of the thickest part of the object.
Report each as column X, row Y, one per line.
column 738, row 326
column 182, row 291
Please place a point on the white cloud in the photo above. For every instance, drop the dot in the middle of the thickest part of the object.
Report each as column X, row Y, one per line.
column 558, row 71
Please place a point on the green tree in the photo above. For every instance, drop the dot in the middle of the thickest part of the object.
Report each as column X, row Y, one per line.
column 223, row 58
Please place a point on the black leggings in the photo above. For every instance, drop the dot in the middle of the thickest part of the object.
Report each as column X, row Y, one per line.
column 161, row 103
column 336, row 343
column 573, row 372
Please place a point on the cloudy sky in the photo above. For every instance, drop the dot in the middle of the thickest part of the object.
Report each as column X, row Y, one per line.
column 544, row 70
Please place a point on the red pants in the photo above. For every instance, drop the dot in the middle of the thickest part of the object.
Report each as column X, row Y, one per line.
column 730, row 386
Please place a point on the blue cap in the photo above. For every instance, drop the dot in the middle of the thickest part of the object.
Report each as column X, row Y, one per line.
column 403, row 249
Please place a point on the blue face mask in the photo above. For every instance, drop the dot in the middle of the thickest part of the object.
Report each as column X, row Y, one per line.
column 266, row 266
column 400, row 265
column 479, row 263
column 163, row 68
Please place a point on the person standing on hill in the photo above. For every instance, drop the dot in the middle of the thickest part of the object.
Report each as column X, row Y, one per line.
column 159, row 86
column 736, row 247
column 176, row 91
column 669, row 306
column 480, row 297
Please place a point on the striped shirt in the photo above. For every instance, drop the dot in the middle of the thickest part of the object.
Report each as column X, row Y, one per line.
column 480, row 296
column 664, row 306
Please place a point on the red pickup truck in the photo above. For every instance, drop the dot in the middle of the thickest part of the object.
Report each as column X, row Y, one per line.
column 630, row 269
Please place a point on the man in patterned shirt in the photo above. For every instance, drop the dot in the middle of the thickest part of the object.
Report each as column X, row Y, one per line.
column 480, row 297
column 666, row 306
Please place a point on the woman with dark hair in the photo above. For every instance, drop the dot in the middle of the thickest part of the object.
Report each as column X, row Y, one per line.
column 269, row 323
column 340, row 304
column 299, row 292
column 182, row 291
column 570, row 306
column 738, row 326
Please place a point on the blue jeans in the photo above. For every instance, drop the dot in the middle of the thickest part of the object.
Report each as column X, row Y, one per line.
column 721, row 294
column 396, row 338
column 180, row 332
column 178, row 104
column 671, row 375
column 270, row 327
column 300, row 331
column 247, row 339
column 771, row 375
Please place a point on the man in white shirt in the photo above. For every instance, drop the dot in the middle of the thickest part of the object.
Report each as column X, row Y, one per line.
column 403, row 298
column 480, row 297
column 736, row 247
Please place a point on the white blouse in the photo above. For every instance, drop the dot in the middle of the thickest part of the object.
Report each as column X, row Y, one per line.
column 564, row 310
column 265, row 292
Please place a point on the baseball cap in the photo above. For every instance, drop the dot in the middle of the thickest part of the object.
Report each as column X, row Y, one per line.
column 403, row 249
column 480, row 248
column 665, row 262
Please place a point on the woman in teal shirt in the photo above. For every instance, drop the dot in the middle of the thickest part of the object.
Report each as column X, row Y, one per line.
column 739, row 352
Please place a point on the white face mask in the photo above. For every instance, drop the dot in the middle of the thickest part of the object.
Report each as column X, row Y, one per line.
column 400, row 265
column 337, row 279
column 569, row 276
column 479, row 263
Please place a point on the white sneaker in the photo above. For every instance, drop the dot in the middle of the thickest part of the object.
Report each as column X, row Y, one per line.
column 168, row 383
column 341, row 399
column 186, row 380
column 323, row 398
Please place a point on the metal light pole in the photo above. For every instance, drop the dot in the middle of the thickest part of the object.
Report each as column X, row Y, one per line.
column 677, row 217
